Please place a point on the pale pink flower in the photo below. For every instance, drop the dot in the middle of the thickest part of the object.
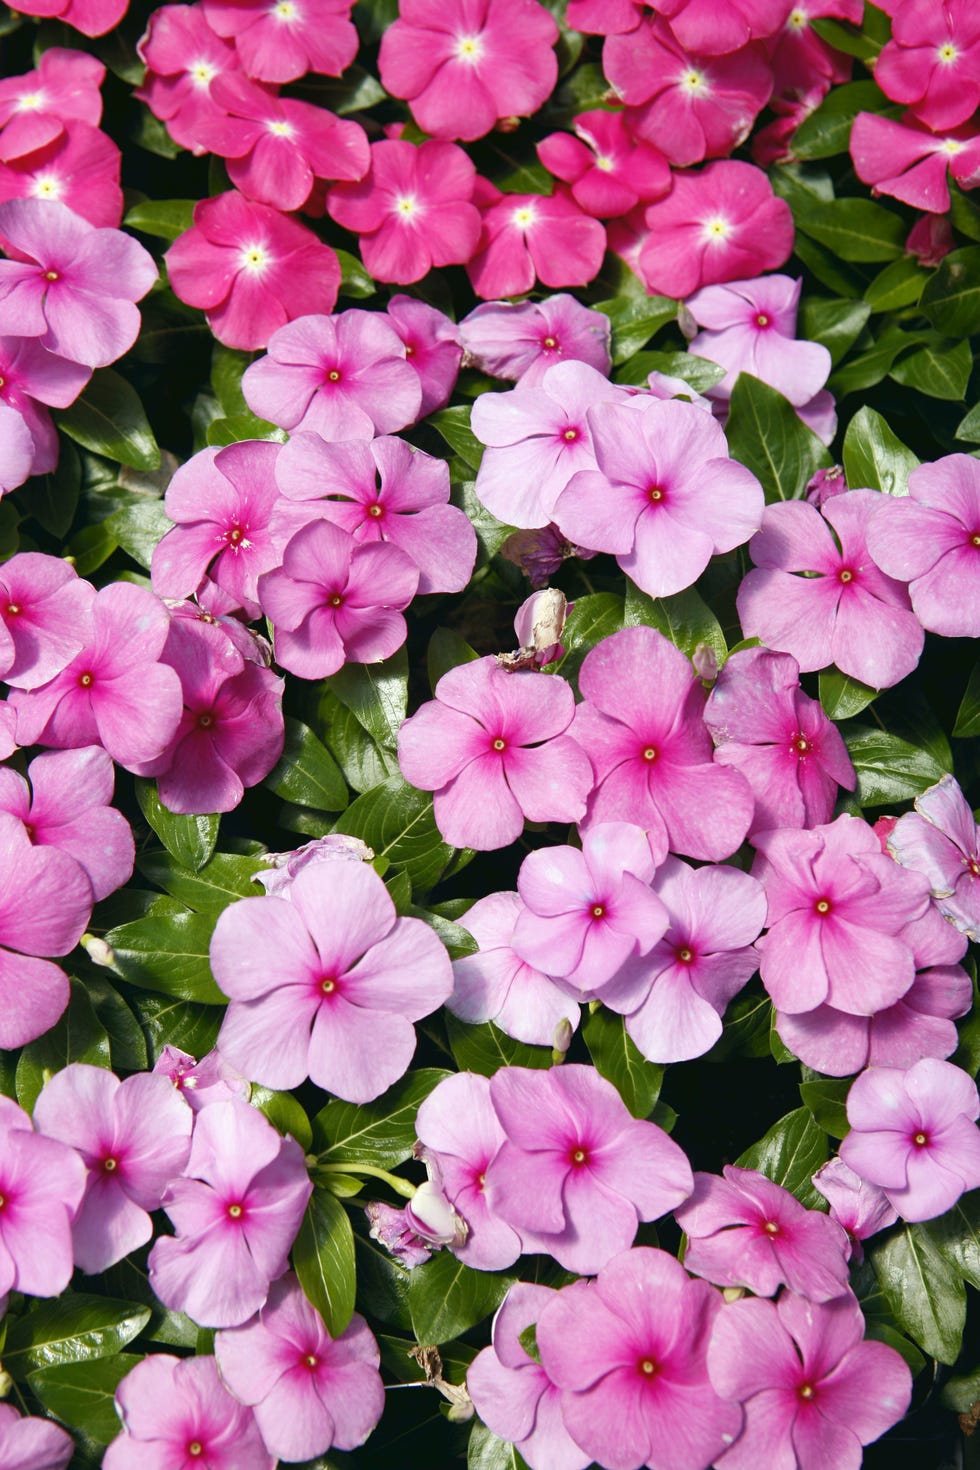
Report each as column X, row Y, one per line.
column 610, row 170
column 942, row 840
column 279, row 44
column 42, row 1182
column 177, row 1412
column 43, row 603
column 287, row 866
column 16, row 449
column 750, row 327
column 522, row 340
column 529, row 237
column 31, row 377
column 79, row 169
column 858, row 1207
column 212, row 1079
column 32, row 1444
column 183, row 56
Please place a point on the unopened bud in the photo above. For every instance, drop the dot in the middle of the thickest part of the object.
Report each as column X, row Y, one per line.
column 6, row 1383
column 98, row 951
column 561, row 1041
column 733, row 1293
column 705, row 662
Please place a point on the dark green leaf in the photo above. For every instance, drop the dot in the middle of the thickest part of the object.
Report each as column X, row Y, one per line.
column 382, row 1132
column 686, row 619
column 78, row 1037
column 828, row 268
column 951, row 298
column 836, row 323
column 127, row 1044
column 619, row 1060
column 746, row 1029
column 377, row 694
column 71, row 1329
column 956, row 1236
column 827, row 130
column 698, row 372
column 827, row 1101
column 856, row 229
column 365, row 764
column 108, row 418
column 634, row 319
column 169, row 953
column 871, row 364
column 592, row 619
column 397, row 822
column 227, row 369
column 165, row 218
column 82, row 1394
column 354, row 279
column 847, row 39
column 899, row 284
column 190, row 839
column 842, row 696
column 790, row 1154
column 925, row 1293
column 447, row 1298
column 485, row 1049
column 889, row 769
column 765, row 434
column 307, row 774
column 968, row 715
column 353, row 92
column 454, row 426
column 284, row 1113
column 137, row 529
column 875, row 458
column 961, row 1392
column 184, row 1024
column 222, row 880
column 458, row 941
column 939, row 369
column 54, row 498
column 323, row 1258
column 447, row 650
column 968, row 429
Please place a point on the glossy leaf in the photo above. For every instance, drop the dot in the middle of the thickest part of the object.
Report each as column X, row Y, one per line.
column 382, row 1132
column 874, row 457
column 82, row 1394
column 447, row 1298
column 951, row 298
column 889, row 769
column 307, row 773
column 684, row 618
column 790, row 1154
column 71, row 1329
column 108, row 418
column 616, row 1057
column 765, row 434
column 191, row 840
column 323, row 1257
column 168, row 952
column 485, row 1049
column 925, row 1293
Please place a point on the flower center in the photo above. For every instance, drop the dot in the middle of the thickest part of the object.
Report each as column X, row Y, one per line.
column 972, row 865
column 761, row 319
column 845, row 575
column 550, row 343
column 578, row 1157
column 649, row 753
column 406, row 205
column 110, row 1165
column 647, row 1367
column 806, row 1390
column 335, row 600
column 800, row 745
column 281, row 129
column 685, row 955
column 285, row 10
column 570, row 435
column 195, row 1448
column 236, row 1211
column 202, row 73
column 604, row 164
column 974, row 539
column 469, row 49
column 822, row 906
column 498, row 744
column 525, row 216
column 311, row 1360
column 694, row 81
column 328, row 985
column 30, row 101
column 333, row 376
column 235, row 536
column 655, row 493
column 86, row 680
column 46, row 187
column 920, row 1139
column 254, row 258
column 375, row 510
column 205, row 721
column 947, row 54
column 13, row 608
column 797, row 19
column 771, row 1227
column 716, row 230
column 51, row 276
column 3, row 1201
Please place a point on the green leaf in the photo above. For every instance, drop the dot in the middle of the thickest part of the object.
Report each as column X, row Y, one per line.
column 686, row 619
column 765, row 434
column 190, row 839
column 874, row 361
column 925, row 1293
column 827, row 130
column 457, row 940
column 968, row 429
column 307, row 773
column 235, row 428
column 486, row 1452
column 951, row 298
column 899, row 284
column 856, row 229
column 827, row 1100
column 127, row 1044
column 828, row 268
column 490, row 533
column 790, row 1154
column 889, row 769
column 939, row 369
column 746, row 1029
column 845, row 38
column 397, row 822
column 592, row 619
column 78, row 1037
column 382, row 1132
column 323, row 1258
column 842, row 696
column 365, row 764
column 698, row 372
column 961, row 1392
column 222, row 880
column 71, row 1329
column 137, row 528
column 634, row 319
column 169, row 953
column 619, row 1060
column 447, row 650
column 54, row 498
column 454, row 426
column 185, row 1024
column 956, row 1235
column 485, row 1049
column 165, row 218
column 377, row 694
column 835, row 322
column 108, row 418
column 82, row 1394
column 354, row 279
column 875, row 458
column 353, row 92
column 284, row 1113
column 447, row 1298
column 968, row 716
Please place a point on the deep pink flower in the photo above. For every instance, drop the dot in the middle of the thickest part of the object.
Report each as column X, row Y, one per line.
column 931, row 539
column 326, row 985
column 721, row 224
column 309, row 1391
column 461, row 66
column 912, row 1132
column 605, row 17
column 279, row 43
column 78, row 169
column 850, row 614
column 492, row 746
column 251, row 269
column 70, row 285
column 183, row 55
column 803, row 63
column 91, row 17
column 32, row 1444
column 133, row 1136
column 432, row 346
column 34, row 105
column 522, row 340
column 930, row 239
column 177, row 1412
column 908, row 161
column 743, row 1230
column 629, row 1354
column 43, row 603
column 344, row 377
column 41, row 1183
column 812, row 1390
column 31, row 377
column 641, row 725
column 610, row 170
column 412, row 211
column 750, row 327
column 528, row 237
column 932, row 62
column 858, row 1207
column 942, row 840
column 576, row 1172
column 717, row 27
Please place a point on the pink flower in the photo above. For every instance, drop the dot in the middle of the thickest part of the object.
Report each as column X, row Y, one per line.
column 721, row 224
column 30, row 376
column 812, row 1390
column 183, row 55
column 528, row 237
column 908, row 161
column 717, row 27
column 493, row 748
column 941, row 840
column 462, row 66
column 750, row 327
column 16, row 449
column 609, row 169
column 641, row 725
column 334, row 976
column 576, row 1172
column 412, row 211
column 858, row 1207
column 79, row 169
column 32, row 1444
column 931, row 539
column 309, row 1391
column 281, row 45
column 212, row 1079
column 41, row 1183
column 287, row 866
column 133, row 1136
column 521, row 341
column 34, row 105
column 850, row 614
column 176, row 1411
column 930, row 239
column 629, row 1354
column 604, row 17
column 71, row 285
column 743, row 1230
column 912, row 1133
column 91, row 17
column 43, row 603
column 236, row 1212
column 932, row 62
column 432, row 346
column 803, row 63
column 344, row 377
column 384, row 492
column 513, row 1394
column 763, row 725
column 665, row 497
column 251, row 269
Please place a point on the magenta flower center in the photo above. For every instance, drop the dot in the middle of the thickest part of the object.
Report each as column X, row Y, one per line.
column 86, row 680
column 570, row 434
column 578, row 1157
column 236, row 535
column 921, row 1140
column 499, row 744
column 328, row 984
column 800, row 745
column 762, row 320
column 335, row 600
column 110, row 1164
column 13, row 608
column 551, row 343
column 975, row 539
column 236, row 1211
column 50, row 275
column 806, row 1391
column 598, row 911
column 845, row 575
column 376, row 510
column 972, row 864
column 655, row 494
column 333, row 376
column 822, row 906
column 647, row 1368
column 195, row 1448
column 771, row 1227
column 685, row 955
column 310, row 1360
column 205, row 720
column 3, row 1202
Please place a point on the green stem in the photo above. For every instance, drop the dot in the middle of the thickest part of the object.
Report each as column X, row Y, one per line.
column 400, row 1186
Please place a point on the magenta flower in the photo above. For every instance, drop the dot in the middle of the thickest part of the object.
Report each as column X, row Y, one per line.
column 850, row 613
column 16, row 449
column 78, row 169
column 931, row 539
column 743, row 1230
column 65, row 84
column 115, row 693
column 344, row 377
column 629, row 1354
column 641, row 726
column 71, row 285
column 521, row 341
column 908, row 161
column 412, row 211
column 432, row 346
column 460, row 1135
column 212, row 1079
column 576, row 1172
column 43, row 603
column 609, row 169
column 32, row 377
column 309, row 1391
column 222, row 501
column 32, row 1444
column 763, row 725
column 251, row 269
column 277, row 45
column 41, row 1184
column 513, row 1394
column 91, row 17
column 716, row 27
column 326, row 985
column 334, row 601
column 492, row 746
column 460, row 67
column 183, row 56
column 236, row 1212
column 941, row 840
column 134, row 1138
column 384, row 491
column 813, row 1392
column 858, row 1207
column 932, row 62
column 721, row 224
column 177, row 1412
column 665, row 498
column 528, row 237
column 912, row 1133
column 750, row 327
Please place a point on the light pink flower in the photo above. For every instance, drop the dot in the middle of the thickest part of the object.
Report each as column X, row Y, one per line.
column 79, row 169
column 32, row 1444
column 43, row 603
column 32, row 377
column 932, row 62
column 610, row 170
column 750, row 327
column 858, row 1207
column 42, row 1182
column 183, row 56
column 521, row 341
column 16, row 449
column 287, row 866
column 529, row 237
column 212, row 1079
column 277, row 45
column 942, row 840
column 177, row 1411
column 432, row 346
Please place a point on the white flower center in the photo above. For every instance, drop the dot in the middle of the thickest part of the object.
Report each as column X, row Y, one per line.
column 797, row 19
column 716, row 230
column 254, row 258
column 285, row 10
column 469, row 49
column 281, row 129
column 947, row 54
column 604, row 163
column 30, row 102
column 694, row 82
column 525, row 216
column 202, row 73
column 406, row 205
column 951, row 147
column 46, row 186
